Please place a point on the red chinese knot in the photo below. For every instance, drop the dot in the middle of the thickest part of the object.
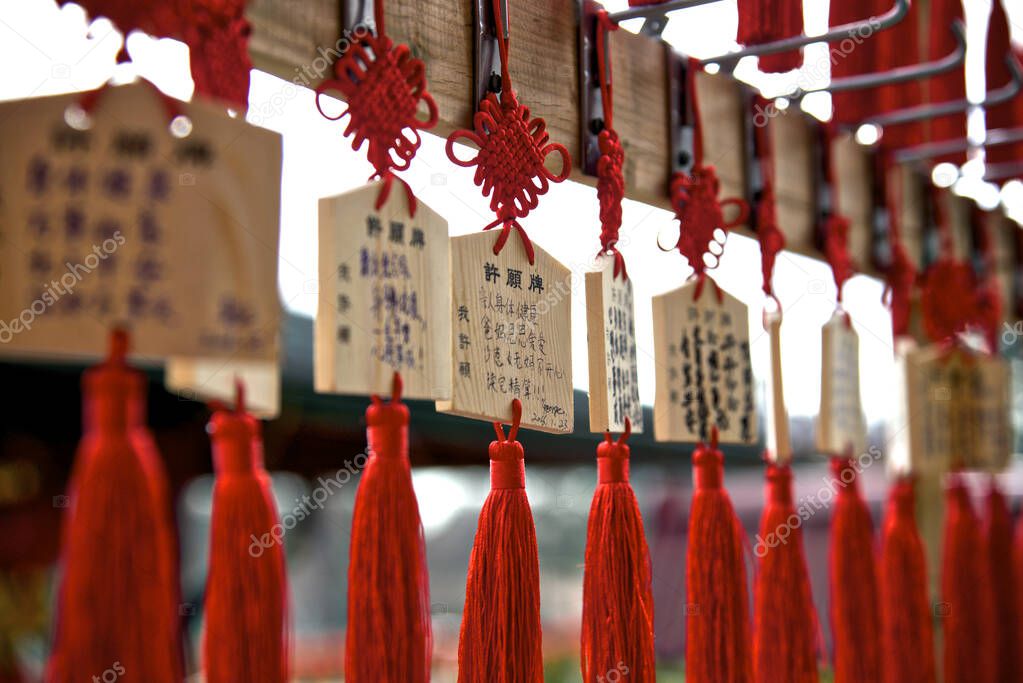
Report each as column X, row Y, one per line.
column 383, row 84
column 694, row 197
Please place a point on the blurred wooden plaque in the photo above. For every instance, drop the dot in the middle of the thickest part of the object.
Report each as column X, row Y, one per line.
column 611, row 344
column 841, row 426
column 383, row 303
column 511, row 334
column 990, row 414
column 205, row 379
column 704, row 375
column 119, row 222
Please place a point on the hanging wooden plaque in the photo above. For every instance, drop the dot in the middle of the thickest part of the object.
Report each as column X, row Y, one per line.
column 511, row 334
column 611, row 344
column 989, row 414
column 704, row 375
column 205, row 379
column 927, row 430
column 383, row 301
column 841, row 426
column 779, row 443
column 124, row 224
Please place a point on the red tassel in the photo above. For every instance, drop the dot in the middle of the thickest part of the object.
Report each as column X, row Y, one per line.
column 855, row 622
column 896, row 47
column 717, row 630
column 948, row 86
column 389, row 633
column 907, row 620
column 1017, row 568
column 618, row 606
column 785, row 623
column 246, row 635
column 854, row 58
column 118, row 599
column 1008, row 666
column 966, row 601
column 500, row 638
column 765, row 21
column 1008, row 114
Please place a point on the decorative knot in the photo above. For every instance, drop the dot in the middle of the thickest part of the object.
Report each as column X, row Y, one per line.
column 700, row 213
column 610, row 191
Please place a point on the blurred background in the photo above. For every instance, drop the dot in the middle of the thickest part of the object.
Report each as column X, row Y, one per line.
column 51, row 50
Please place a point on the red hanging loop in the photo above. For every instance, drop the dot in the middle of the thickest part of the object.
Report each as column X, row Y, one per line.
column 694, row 197
column 610, row 177
column 511, row 155
column 384, row 86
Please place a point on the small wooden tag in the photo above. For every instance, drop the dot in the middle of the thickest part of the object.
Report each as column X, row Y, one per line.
column 795, row 203
column 384, row 304
column 854, row 196
column 204, row 379
column 841, row 426
column 779, row 444
column 124, row 224
column 611, row 344
column 511, row 334
column 704, row 375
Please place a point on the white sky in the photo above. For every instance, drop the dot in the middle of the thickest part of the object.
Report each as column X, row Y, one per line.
column 53, row 54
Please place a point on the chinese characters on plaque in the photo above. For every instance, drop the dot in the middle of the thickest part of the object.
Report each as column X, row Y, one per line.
column 511, row 334
column 611, row 343
column 384, row 303
column 121, row 223
column 953, row 411
column 704, row 376
column 841, row 426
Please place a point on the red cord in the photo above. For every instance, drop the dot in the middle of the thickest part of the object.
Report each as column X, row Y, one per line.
column 836, row 230
column 771, row 238
column 384, row 85
column 510, row 161
column 610, row 178
column 901, row 275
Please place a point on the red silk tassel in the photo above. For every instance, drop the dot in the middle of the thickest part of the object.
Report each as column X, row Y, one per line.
column 1017, row 568
column 118, row 598
column 855, row 621
column 966, row 600
column 899, row 46
column 246, row 636
column 785, row 623
column 854, row 57
column 948, row 86
column 389, row 636
column 618, row 606
column 500, row 637
column 998, row 527
column 765, row 21
column 717, row 628
column 1008, row 114
column 907, row 621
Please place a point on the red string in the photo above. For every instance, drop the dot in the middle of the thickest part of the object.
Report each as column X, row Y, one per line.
column 511, row 155
column 610, row 178
column 948, row 289
column 89, row 100
column 694, row 197
column 901, row 275
column 384, row 86
column 771, row 238
column 836, row 229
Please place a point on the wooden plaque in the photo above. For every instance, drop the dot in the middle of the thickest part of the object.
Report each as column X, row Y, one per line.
column 929, row 432
column 795, row 204
column 854, row 196
column 511, row 334
column 722, row 114
column 205, row 379
column 704, row 375
column 841, row 426
column 990, row 414
column 779, row 443
column 125, row 224
column 611, row 344
column 384, row 304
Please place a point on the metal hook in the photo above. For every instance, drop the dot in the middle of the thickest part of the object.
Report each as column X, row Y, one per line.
column 994, row 138
column 487, row 63
column 902, row 74
column 1006, row 171
column 655, row 16
column 867, row 27
column 930, row 111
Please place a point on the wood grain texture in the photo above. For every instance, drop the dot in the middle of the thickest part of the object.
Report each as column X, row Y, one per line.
column 380, row 309
column 511, row 334
column 611, row 345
